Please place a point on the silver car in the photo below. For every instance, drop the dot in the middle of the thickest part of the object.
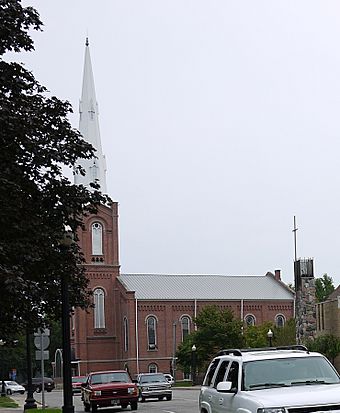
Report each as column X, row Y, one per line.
column 12, row 387
column 153, row 385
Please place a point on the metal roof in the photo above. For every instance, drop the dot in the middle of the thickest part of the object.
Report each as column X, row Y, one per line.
column 205, row 287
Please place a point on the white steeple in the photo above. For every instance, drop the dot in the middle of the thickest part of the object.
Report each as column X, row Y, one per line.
column 89, row 128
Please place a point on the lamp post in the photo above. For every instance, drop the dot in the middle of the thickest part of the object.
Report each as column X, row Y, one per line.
column 270, row 337
column 68, row 407
column 3, row 392
column 30, row 401
column 174, row 325
column 193, row 364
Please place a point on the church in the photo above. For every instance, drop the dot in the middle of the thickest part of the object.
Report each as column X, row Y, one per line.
column 138, row 320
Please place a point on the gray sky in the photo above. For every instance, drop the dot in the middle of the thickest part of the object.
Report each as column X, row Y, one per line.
column 219, row 122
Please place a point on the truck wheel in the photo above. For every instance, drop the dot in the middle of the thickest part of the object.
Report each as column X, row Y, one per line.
column 169, row 397
column 86, row 407
column 94, row 407
column 134, row 405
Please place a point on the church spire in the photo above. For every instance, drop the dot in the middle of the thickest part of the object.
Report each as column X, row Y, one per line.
column 95, row 168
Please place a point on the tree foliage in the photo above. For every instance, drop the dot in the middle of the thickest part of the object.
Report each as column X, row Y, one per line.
column 323, row 288
column 256, row 336
column 36, row 199
column 216, row 329
column 328, row 345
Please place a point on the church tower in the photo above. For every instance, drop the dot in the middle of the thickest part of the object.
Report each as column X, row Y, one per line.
column 95, row 168
column 96, row 333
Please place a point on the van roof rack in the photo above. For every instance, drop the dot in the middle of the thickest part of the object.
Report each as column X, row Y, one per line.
column 238, row 352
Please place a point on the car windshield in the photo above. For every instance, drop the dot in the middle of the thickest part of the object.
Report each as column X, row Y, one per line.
column 11, row 383
column 79, row 379
column 153, row 378
column 282, row 372
column 102, row 378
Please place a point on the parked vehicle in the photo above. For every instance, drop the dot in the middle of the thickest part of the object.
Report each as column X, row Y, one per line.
column 77, row 381
column 13, row 387
column 270, row 380
column 109, row 388
column 169, row 378
column 49, row 384
column 153, row 385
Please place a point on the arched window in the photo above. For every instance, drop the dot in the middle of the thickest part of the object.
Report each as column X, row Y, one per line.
column 126, row 334
column 97, row 239
column 151, row 323
column 185, row 325
column 99, row 308
column 250, row 320
column 280, row 320
column 153, row 368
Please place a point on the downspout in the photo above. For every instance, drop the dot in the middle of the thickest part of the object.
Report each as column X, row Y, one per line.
column 137, row 341
column 195, row 312
column 242, row 313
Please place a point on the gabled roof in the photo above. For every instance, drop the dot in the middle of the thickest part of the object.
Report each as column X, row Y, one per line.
column 334, row 294
column 205, row 287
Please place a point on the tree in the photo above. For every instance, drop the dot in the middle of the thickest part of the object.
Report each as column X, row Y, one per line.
column 256, row 336
column 216, row 329
column 328, row 345
column 323, row 287
column 36, row 199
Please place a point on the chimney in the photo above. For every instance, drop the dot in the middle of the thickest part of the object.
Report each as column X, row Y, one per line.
column 278, row 275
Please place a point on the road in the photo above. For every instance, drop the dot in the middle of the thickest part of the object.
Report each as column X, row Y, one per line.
column 183, row 401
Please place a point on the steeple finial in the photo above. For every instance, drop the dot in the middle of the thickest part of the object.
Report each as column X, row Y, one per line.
column 87, row 41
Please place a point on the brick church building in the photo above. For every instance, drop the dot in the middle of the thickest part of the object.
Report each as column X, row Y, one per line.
column 138, row 320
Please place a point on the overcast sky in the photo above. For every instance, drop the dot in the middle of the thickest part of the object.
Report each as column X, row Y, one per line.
column 219, row 121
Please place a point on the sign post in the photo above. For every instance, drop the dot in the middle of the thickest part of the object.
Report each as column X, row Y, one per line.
column 41, row 342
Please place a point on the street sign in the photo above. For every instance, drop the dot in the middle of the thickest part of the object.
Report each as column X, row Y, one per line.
column 38, row 353
column 41, row 342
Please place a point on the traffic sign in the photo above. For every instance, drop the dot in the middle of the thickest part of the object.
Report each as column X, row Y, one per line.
column 41, row 342
column 38, row 353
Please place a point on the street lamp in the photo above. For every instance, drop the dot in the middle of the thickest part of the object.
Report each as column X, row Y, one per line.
column 270, row 337
column 193, row 363
column 68, row 407
column 30, row 401
column 3, row 391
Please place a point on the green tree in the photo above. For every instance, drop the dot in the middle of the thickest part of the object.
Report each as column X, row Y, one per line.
column 256, row 336
column 323, row 287
column 328, row 345
column 216, row 329
column 36, row 199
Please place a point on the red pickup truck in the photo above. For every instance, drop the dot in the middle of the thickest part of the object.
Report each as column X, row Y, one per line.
column 109, row 388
